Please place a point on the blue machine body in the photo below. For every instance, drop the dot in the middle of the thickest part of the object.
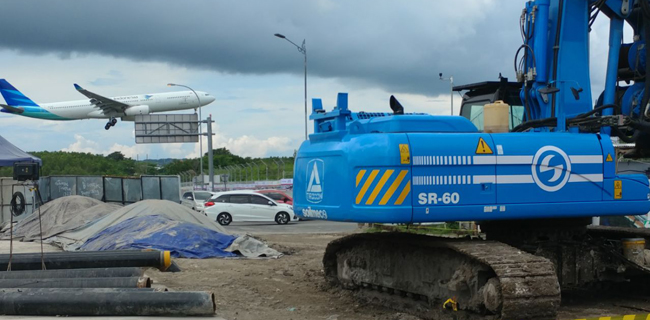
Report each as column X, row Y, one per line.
column 423, row 168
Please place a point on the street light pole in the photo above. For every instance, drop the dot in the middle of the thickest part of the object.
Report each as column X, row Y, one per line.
column 240, row 171
column 451, row 90
column 282, row 167
column 200, row 127
column 277, row 164
column 302, row 49
column 248, row 164
column 267, row 170
column 258, row 170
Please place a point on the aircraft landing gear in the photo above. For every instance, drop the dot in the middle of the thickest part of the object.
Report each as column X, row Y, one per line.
column 110, row 123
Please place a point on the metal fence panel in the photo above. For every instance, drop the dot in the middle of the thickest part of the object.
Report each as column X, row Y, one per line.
column 132, row 190
column 109, row 189
column 44, row 188
column 170, row 187
column 113, row 189
column 150, row 187
column 62, row 187
column 92, row 187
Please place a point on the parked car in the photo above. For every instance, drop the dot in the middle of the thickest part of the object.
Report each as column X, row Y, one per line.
column 195, row 199
column 277, row 195
column 247, row 206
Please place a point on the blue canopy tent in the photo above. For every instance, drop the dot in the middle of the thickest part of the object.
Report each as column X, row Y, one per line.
column 10, row 154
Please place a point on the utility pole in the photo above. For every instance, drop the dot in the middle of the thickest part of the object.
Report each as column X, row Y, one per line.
column 210, row 154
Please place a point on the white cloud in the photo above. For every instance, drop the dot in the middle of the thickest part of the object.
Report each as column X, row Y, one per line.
column 85, row 145
column 82, row 144
column 250, row 146
column 246, row 145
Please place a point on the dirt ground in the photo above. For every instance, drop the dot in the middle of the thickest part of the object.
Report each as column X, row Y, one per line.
column 293, row 287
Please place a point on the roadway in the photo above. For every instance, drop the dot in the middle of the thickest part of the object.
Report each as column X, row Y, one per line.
column 298, row 227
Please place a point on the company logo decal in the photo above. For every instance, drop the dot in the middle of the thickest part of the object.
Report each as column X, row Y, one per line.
column 551, row 168
column 315, row 174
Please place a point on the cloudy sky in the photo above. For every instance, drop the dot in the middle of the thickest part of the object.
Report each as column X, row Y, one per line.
column 368, row 48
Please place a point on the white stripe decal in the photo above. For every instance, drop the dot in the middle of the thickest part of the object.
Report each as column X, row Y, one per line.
column 586, row 178
column 498, row 160
column 514, row 160
column 586, row 159
column 511, row 179
column 518, row 179
column 484, row 179
column 485, row 160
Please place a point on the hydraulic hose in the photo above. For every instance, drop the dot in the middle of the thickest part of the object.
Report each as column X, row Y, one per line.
column 556, row 52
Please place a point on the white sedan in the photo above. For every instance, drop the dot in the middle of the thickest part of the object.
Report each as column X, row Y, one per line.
column 247, row 206
column 196, row 199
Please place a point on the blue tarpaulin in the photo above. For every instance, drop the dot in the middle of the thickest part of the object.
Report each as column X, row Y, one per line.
column 183, row 239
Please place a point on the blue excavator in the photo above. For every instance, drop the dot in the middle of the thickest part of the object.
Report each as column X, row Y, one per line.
column 532, row 161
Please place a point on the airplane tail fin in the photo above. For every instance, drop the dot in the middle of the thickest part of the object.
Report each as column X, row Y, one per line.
column 13, row 97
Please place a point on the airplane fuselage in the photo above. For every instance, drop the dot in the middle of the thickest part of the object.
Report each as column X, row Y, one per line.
column 139, row 104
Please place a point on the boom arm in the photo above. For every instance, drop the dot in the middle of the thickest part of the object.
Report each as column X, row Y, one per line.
column 553, row 65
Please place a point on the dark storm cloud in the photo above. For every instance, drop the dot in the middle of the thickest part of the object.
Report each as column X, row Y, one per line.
column 400, row 46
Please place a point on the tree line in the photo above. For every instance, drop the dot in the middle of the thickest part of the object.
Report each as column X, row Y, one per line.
column 117, row 164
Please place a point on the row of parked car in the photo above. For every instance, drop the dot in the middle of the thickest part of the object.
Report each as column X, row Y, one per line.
column 242, row 205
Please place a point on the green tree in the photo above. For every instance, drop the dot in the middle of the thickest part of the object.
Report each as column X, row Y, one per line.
column 117, row 156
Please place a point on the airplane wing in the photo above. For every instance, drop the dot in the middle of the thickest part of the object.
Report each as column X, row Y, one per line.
column 107, row 105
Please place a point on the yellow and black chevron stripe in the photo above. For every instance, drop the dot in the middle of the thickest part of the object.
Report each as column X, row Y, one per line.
column 644, row 316
column 392, row 187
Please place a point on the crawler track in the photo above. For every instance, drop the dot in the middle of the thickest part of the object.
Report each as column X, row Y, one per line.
column 485, row 277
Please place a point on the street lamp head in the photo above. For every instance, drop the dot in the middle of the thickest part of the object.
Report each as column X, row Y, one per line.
column 440, row 75
column 280, row 36
column 171, row 84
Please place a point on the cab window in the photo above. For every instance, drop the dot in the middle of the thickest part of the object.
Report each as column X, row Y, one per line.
column 474, row 112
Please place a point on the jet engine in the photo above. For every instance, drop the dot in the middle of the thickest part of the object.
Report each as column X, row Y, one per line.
column 137, row 110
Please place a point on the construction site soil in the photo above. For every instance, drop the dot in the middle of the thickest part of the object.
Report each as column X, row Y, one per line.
column 293, row 287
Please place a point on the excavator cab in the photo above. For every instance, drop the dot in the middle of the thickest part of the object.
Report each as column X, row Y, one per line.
column 477, row 95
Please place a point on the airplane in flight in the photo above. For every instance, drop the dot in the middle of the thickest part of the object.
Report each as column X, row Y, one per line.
column 100, row 107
